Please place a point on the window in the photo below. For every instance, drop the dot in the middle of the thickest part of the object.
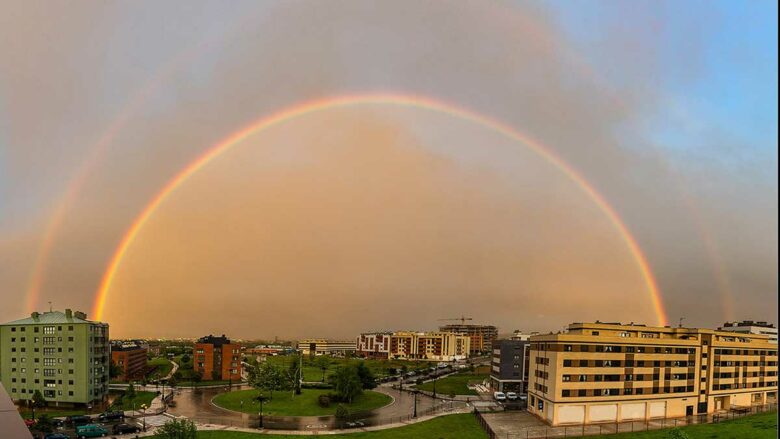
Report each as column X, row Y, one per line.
column 566, row 378
column 566, row 363
column 49, row 329
column 567, row 348
column 565, row 393
column 581, row 392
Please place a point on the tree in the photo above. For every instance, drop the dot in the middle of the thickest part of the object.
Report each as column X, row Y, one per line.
column 44, row 424
column 346, row 382
column 295, row 375
column 114, row 370
column 342, row 413
column 178, row 429
column 270, row 377
column 130, row 393
column 185, row 359
column 367, row 378
column 172, row 381
column 38, row 400
column 323, row 363
column 216, row 375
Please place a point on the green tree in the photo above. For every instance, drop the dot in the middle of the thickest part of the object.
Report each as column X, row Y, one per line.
column 178, row 429
column 323, row 363
column 38, row 400
column 270, row 377
column 114, row 370
column 342, row 413
column 346, row 382
column 367, row 378
column 295, row 375
column 172, row 381
column 130, row 393
column 44, row 425
column 216, row 375
column 185, row 359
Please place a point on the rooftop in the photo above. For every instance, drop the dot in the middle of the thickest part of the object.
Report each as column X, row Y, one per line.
column 52, row 317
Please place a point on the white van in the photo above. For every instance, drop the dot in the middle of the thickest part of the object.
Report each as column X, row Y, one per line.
column 499, row 396
column 511, row 396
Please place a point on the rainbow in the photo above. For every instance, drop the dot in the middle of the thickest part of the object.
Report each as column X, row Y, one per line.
column 375, row 99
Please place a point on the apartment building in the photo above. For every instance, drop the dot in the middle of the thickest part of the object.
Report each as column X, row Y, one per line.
column 130, row 357
column 439, row 346
column 374, row 345
column 509, row 365
column 321, row 346
column 608, row 372
column 216, row 358
column 63, row 355
column 482, row 336
column 751, row 327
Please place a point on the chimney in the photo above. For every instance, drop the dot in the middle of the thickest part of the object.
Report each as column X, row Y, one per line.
column 68, row 313
column 80, row 315
column 35, row 315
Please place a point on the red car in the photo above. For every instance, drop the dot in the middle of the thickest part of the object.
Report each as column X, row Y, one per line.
column 29, row 422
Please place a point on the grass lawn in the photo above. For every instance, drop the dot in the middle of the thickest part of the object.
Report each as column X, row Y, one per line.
column 305, row 404
column 140, row 398
column 163, row 367
column 462, row 426
column 456, row 384
column 312, row 372
column 761, row 426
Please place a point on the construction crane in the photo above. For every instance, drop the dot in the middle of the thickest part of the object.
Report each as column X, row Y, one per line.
column 462, row 319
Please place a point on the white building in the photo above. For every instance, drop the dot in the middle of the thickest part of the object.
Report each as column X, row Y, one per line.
column 318, row 346
column 751, row 327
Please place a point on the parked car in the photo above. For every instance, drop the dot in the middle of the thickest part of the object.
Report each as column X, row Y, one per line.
column 126, row 428
column 56, row 436
column 111, row 416
column 79, row 420
column 512, row 396
column 29, row 422
column 499, row 396
column 523, row 397
column 90, row 430
column 57, row 422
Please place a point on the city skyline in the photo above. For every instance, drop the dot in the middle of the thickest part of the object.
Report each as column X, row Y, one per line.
column 564, row 163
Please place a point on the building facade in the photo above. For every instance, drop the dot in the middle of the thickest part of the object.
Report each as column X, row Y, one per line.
column 509, row 365
column 751, row 327
column 439, row 346
column 320, row 346
column 482, row 336
column 216, row 358
column 374, row 345
column 600, row 372
column 63, row 355
column 130, row 357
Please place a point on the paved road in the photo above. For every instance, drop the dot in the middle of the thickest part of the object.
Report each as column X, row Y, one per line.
column 196, row 404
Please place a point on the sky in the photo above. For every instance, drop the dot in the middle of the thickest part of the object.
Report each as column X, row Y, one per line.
column 570, row 144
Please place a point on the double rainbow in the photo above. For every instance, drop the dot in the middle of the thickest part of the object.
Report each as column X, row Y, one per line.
column 373, row 99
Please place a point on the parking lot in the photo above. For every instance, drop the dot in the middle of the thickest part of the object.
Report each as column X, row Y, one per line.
column 70, row 430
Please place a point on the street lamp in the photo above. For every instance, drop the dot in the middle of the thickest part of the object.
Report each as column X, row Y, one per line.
column 415, row 392
column 143, row 415
column 434, row 385
column 262, row 398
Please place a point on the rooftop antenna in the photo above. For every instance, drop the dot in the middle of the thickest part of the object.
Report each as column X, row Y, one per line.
column 679, row 325
column 50, row 308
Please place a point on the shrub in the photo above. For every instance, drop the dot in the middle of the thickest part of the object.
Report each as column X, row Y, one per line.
column 419, row 381
column 678, row 434
column 324, row 401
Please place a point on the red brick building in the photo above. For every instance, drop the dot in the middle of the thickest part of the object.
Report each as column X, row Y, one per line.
column 374, row 345
column 130, row 357
column 217, row 358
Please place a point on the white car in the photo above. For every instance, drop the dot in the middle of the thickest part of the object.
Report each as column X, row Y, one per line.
column 511, row 396
column 523, row 397
column 499, row 396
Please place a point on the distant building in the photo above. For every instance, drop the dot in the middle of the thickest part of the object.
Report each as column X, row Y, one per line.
column 269, row 350
column 130, row 358
column 509, row 365
column 216, row 358
column 751, row 327
column 63, row 355
column 482, row 336
column 374, row 344
column 609, row 372
column 439, row 346
column 320, row 346
column 11, row 424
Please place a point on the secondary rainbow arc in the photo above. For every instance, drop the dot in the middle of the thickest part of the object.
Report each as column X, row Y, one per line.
column 376, row 99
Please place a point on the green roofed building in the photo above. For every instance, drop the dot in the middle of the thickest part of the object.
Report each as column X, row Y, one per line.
column 63, row 355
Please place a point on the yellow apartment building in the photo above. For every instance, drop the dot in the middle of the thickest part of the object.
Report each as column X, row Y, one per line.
column 439, row 346
column 606, row 372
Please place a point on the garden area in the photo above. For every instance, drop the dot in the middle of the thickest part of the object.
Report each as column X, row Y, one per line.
column 131, row 399
column 456, row 384
column 308, row 403
column 317, row 369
